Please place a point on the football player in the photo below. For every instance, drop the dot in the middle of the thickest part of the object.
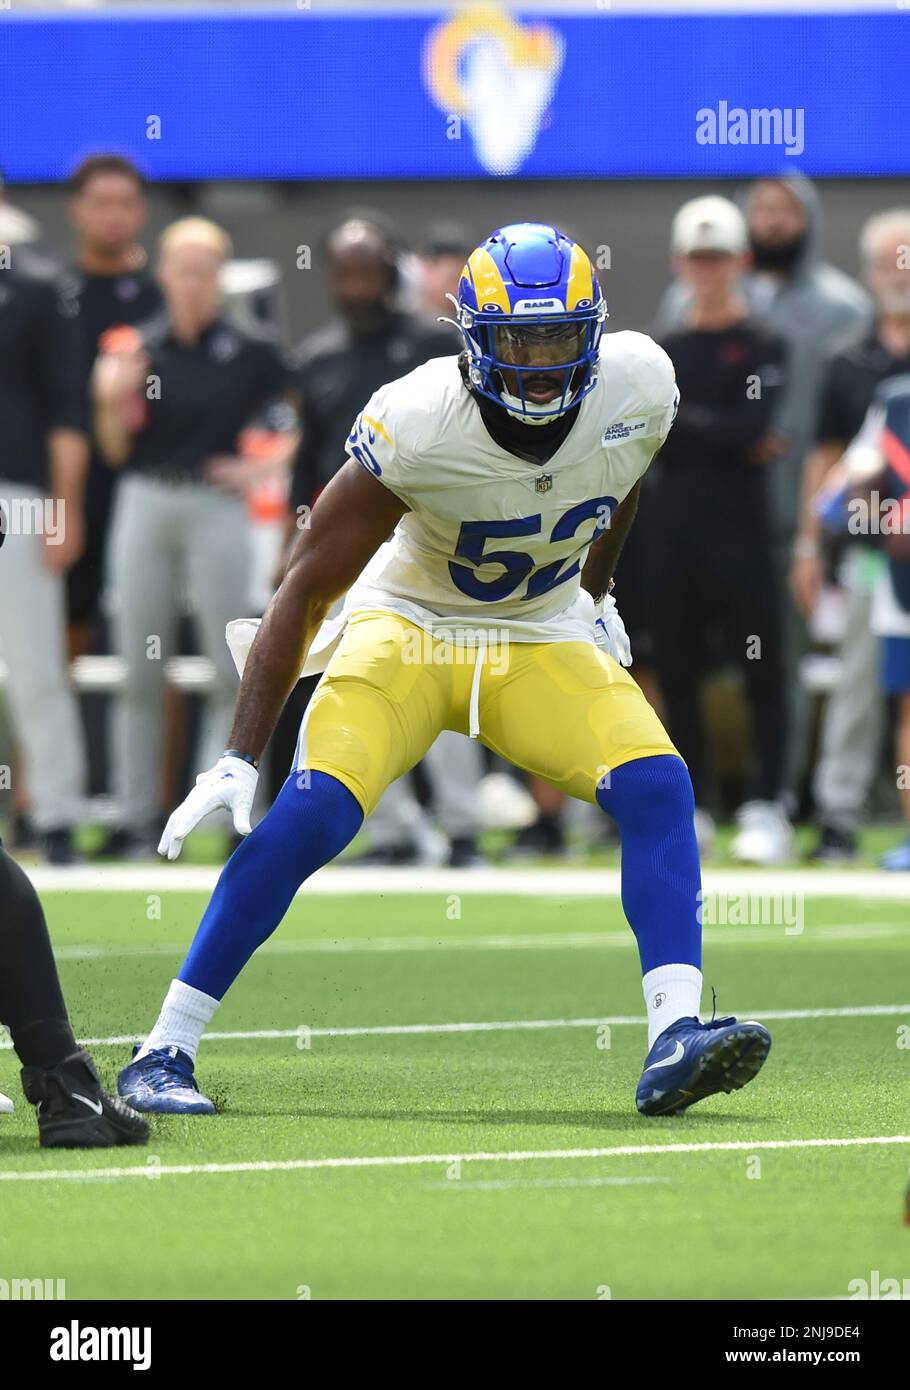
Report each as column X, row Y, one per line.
column 509, row 475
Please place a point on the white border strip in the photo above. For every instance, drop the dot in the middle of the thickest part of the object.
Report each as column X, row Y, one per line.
column 618, row 939
column 158, row 877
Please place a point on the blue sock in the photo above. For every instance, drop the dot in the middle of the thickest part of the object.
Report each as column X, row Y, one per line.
column 651, row 801
column 305, row 828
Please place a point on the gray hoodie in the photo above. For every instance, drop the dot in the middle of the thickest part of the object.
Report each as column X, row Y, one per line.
column 811, row 309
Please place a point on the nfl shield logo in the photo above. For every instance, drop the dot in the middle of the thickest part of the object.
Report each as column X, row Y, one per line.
column 544, row 483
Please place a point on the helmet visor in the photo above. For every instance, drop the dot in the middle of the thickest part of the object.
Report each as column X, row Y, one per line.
column 539, row 344
column 537, row 361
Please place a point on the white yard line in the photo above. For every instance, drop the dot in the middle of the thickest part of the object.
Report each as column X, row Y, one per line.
column 155, row 1170
column 157, row 877
column 389, row 1030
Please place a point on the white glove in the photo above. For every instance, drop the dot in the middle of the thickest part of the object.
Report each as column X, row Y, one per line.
column 230, row 785
column 609, row 631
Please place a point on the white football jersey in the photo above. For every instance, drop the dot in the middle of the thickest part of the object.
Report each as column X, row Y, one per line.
column 492, row 541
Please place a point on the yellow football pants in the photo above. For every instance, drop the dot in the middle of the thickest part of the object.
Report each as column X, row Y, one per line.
column 564, row 711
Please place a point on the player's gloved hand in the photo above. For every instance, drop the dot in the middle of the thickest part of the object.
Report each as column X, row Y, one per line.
column 230, row 785
column 609, row 631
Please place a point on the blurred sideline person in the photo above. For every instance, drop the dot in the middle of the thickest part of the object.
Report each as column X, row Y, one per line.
column 43, row 466
column 708, row 525
column 109, row 284
column 369, row 342
column 803, row 298
column 876, row 468
column 810, row 303
column 169, row 409
column 852, row 724
column 445, row 249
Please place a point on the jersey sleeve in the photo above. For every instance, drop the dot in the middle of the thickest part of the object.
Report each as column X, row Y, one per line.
column 655, row 378
column 381, row 441
column 665, row 423
column 666, row 394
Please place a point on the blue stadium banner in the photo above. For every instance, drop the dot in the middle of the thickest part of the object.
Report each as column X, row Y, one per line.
column 472, row 91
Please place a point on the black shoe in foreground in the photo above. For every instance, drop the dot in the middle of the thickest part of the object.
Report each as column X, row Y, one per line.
column 75, row 1112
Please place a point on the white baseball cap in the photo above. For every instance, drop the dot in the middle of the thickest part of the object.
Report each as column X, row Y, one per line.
column 709, row 224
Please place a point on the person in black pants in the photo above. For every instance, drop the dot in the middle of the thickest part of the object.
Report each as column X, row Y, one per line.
column 43, row 463
column 58, row 1077
column 707, row 522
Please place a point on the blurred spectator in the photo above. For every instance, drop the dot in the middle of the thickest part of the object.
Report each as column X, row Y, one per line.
column 810, row 303
column 43, row 465
column 709, row 522
column 852, row 726
column 171, row 401
column 445, row 250
column 807, row 301
column 110, row 285
column 877, row 470
column 368, row 343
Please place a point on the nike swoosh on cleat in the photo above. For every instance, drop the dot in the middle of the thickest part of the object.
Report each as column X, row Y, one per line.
column 675, row 1056
column 92, row 1104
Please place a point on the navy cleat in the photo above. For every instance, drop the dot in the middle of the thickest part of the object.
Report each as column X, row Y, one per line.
column 691, row 1060
column 162, row 1082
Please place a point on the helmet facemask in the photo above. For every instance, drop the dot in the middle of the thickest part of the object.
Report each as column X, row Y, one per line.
column 537, row 366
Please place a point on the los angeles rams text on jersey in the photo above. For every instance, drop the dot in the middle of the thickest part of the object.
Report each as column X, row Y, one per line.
column 490, row 539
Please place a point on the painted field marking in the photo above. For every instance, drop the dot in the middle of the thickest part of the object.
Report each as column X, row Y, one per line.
column 509, row 1025
column 152, row 1171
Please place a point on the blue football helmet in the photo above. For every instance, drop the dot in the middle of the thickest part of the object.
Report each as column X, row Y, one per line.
column 531, row 312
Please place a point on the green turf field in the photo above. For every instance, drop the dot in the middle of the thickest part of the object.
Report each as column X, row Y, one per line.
column 745, row 1221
